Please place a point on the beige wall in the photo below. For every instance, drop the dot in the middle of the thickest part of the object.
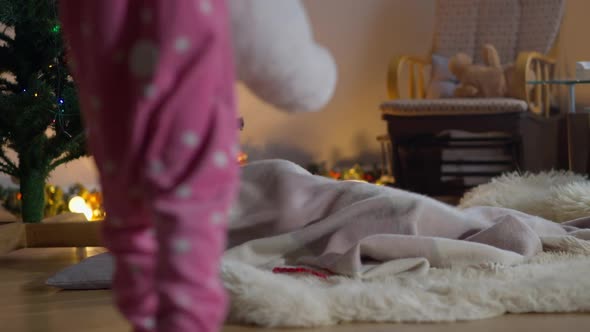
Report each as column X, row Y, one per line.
column 574, row 44
column 363, row 35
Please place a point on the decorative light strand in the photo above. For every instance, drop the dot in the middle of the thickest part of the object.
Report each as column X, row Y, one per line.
column 59, row 116
column 59, row 121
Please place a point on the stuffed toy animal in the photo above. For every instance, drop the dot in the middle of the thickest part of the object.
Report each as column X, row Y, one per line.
column 492, row 79
column 277, row 57
column 486, row 80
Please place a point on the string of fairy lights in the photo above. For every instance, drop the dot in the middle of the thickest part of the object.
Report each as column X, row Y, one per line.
column 60, row 120
column 60, row 113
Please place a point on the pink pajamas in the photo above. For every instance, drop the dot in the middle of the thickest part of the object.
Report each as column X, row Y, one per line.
column 156, row 88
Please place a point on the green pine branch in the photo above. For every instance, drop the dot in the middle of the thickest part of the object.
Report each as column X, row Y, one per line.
column 74, row 147
column 59, row 144
column 8, row 85
column 4, row 168
column 41, row 97
column 8, row 164
column 5, row 37
column 7, row 61
column 69, row 156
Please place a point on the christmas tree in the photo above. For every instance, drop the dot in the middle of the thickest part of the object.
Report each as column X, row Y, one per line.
column 39, row 113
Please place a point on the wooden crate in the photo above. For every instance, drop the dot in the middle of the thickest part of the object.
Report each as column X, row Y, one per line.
column 17, row 235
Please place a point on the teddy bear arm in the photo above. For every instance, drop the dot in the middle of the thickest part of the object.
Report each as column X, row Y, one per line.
column 466, row 91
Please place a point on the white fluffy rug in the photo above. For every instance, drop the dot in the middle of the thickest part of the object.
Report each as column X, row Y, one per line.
column 547, row 283
column 557, row 196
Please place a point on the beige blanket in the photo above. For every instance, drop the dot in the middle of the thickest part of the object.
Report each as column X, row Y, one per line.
column 288, row 217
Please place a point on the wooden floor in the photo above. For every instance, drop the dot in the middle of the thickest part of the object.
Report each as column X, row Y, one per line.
column 27, row 305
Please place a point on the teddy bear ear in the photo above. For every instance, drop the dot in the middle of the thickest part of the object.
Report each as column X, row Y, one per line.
column 490, row 56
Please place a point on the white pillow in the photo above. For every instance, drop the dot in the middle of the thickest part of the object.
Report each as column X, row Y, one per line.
column 442, row 82
column 95, row 272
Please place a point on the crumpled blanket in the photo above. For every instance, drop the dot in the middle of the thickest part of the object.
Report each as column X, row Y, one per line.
column 286, row 216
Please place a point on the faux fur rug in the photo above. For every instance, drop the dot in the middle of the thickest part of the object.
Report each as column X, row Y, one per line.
column 553, row 281
column 557, row 196
column 549, row 282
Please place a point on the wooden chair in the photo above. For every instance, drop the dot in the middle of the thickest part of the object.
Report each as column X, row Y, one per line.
column 523, row 31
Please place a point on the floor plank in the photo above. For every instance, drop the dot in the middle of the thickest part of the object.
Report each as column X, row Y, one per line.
column 26, row 305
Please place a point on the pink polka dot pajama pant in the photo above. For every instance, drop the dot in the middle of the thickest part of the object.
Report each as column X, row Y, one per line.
column 156, row 88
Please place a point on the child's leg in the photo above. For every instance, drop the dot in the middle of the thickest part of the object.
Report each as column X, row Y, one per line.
column 156, row 86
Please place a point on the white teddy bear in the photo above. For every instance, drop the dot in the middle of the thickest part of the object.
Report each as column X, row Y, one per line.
column 277, row 57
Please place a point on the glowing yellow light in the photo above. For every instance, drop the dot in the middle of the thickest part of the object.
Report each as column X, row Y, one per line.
column 36, row 94
column 242, row 158
column 50, row 66
column 78, row 205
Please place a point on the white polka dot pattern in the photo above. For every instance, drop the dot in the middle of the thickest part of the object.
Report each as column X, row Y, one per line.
column 150, row 91
column 190, row 139
column 151, row 233
column 183, row 191
column 182, row 300
column 156, row 167
column 143, row 58
column 149, row 323
column 181, row 246
column 182, row 44
column 217, row 218
column 220, row 159
column 205, row 6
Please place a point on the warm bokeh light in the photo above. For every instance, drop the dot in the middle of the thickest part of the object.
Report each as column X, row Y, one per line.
column 242, row 158
column 78, row 205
